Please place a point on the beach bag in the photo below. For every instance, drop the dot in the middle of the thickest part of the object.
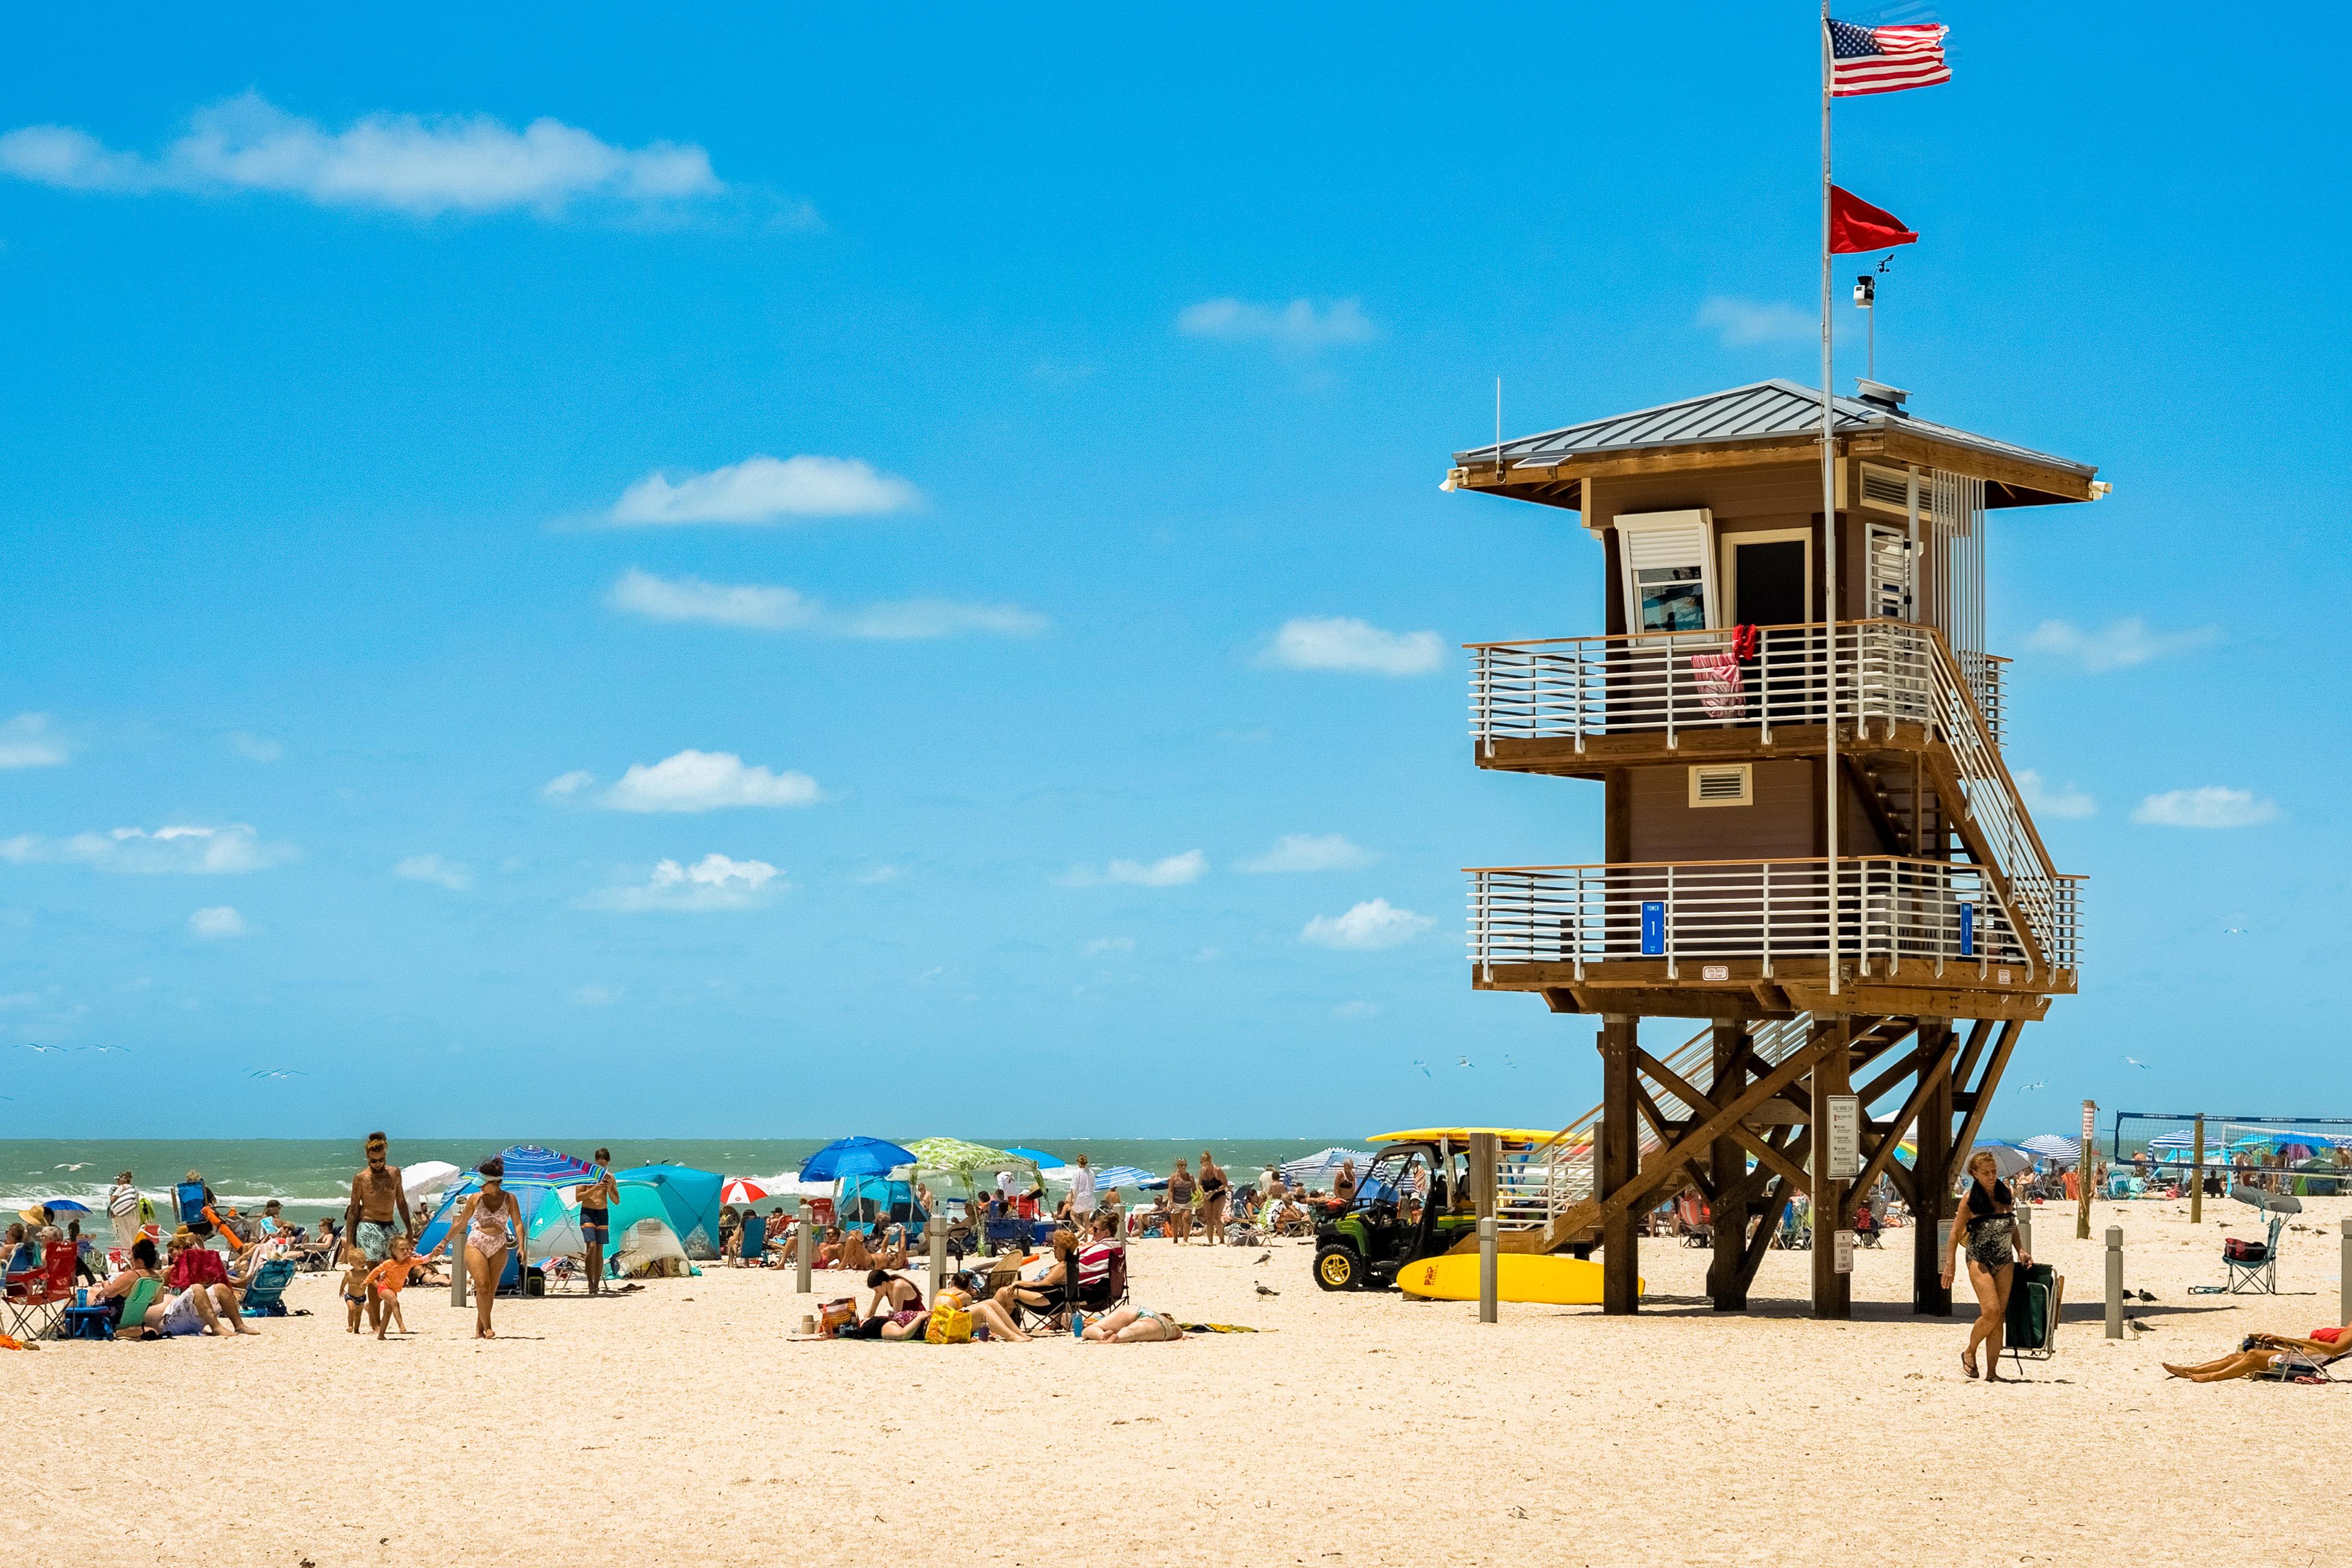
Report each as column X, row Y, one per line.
column 833, row 1317
column 2238, row 1251
column 949, row 1326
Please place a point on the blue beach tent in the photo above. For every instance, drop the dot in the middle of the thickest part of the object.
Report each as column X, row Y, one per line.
column 689, row 1200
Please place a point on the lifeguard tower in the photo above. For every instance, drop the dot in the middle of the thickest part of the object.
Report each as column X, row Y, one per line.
column 1810, row 841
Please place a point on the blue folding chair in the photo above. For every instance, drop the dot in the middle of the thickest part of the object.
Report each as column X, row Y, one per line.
column 265, row 1295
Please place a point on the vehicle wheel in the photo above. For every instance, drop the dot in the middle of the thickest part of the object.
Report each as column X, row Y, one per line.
column 1338, row 1268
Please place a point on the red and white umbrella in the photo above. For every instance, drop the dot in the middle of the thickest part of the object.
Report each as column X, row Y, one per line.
column 742, row 1190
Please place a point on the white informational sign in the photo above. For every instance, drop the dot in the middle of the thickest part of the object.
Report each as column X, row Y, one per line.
column 1714, row 972
column 1844, row 1261
column 1845, row 1137
column 2090, row 1127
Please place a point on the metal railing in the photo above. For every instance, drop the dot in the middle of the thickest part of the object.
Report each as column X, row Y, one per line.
column 1904, row 910
column 1573, row 688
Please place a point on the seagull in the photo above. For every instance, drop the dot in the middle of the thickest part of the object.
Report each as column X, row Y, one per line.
column 1464, row 1062
column 278, row 1072
column 2043, row 1084
column 77, row 1165
column 2136, row 1062
column 1263, row 1291
column 2234, row 930
column 1266, row 1256
column 1421, row 1065
column 1510, row 1064
column 2147, row 1295
column 44, row 1049
column 102, row 1050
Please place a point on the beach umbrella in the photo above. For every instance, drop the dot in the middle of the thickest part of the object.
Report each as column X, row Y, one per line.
column 427, row 1177
column 64, row 1206
column 2009, row 1159
column 1324, row 1163
column 742, row 1190
column 527, row 1165
column 956, row 1157
column 1037, row 1157
column 2050, row 1146
column 2186, row 1138
column 1110, row 1178
column 855, row 1156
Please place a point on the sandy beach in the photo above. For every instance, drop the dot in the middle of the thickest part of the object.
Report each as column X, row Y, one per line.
column 679, row 1424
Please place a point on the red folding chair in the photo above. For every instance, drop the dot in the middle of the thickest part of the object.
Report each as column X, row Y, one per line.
column 37, row 1301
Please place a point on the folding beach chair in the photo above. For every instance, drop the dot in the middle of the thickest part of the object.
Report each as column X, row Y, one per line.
column 265, row 1294
column 1694, row 1221
column 754, row 1240
column 2030, row 1329
column 2251, row 1267
column 37, row 1298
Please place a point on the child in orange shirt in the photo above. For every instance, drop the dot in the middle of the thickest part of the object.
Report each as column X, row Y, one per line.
column 389, row 1277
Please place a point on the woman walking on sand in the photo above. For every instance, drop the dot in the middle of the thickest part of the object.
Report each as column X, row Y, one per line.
column 488, row 1215
column 1181, row 1187
column 1988, row 1233
column 1213, row 1200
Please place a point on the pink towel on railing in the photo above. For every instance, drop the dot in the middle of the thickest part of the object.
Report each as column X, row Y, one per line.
column 1719, row 685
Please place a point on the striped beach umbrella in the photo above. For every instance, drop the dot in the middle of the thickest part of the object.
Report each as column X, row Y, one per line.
column 742, row 1190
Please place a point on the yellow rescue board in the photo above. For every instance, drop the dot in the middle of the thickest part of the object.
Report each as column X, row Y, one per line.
column 1519, row 1277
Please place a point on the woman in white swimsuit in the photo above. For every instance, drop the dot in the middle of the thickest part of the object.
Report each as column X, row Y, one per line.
column 485, row 1220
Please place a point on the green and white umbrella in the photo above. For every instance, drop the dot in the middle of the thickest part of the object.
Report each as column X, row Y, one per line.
column 956, row 1157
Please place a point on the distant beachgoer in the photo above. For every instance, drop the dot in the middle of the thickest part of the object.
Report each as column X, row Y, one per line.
column 489, row 1214
column 122, row 1207
column 1990, row 1236
column 387, row 1280
column 376, row 1212
column 196, row 1222
column 75, row 1240
column 2274, row 1355
column 1040, row 1285
column 199, row 1307
column 142, row 1264
column 1082, row 1188
column 1267, row 1180
column 1214, row 1187
column 1130, row 1325
column 1343, row 1185
column 24, row 1252
column 1182, row 1190
column 596, row 1201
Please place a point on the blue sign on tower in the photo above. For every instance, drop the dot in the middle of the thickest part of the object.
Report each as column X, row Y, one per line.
column 1653, row 930
column 1968, row 931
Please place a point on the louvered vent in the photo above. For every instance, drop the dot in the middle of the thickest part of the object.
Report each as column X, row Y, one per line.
column 1723, row 784
column 1888, row 489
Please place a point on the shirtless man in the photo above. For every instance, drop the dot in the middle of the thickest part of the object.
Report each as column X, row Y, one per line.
column 596, row 1201
column 377, row 1212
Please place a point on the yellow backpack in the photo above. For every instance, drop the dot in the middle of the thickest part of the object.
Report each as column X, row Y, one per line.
column 949, row 1326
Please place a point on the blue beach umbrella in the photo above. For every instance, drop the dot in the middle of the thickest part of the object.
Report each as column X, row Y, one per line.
column 64, row 1205
column 1113, row 1177
column 856, row 1156
column 1039, row 1158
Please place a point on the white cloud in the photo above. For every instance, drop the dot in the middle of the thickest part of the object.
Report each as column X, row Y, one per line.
column 1102, row 944
column 764, row 607
column 1172, row 873
column 1743, row 323
column 877, row 876
column 761, row 488
column 195, row 850
column 216, row 922
column 1335, row 642
column 255, row 747
column 713, row 882
column 31, row 741
column 2118, row 646
column 403, row 162
column 2214, row 805
column 2043, row 800
column 1355, row 1010
column 432, row 869
column 1298, row 328
column 708, row 781
column 568, row 784
column 1372, row 924
column 1310, row 852
column 596, row 995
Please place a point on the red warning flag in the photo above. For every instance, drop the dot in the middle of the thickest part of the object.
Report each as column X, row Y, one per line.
column 1856, row 225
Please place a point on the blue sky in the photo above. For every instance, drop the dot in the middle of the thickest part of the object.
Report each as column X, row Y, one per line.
column 950, row 509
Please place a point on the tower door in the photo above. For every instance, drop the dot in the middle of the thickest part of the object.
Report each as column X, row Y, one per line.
column 1772, row 579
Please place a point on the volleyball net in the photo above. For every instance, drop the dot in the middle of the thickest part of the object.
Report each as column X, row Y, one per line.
column 2254, row 1145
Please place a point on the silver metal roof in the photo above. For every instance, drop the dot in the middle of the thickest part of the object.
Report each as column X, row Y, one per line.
column 1755, row 412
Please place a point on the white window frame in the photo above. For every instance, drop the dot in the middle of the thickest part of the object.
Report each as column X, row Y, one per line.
column 1629, row 525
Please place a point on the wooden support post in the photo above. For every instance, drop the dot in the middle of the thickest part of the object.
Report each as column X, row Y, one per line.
column 1832, row 1075
column 2084, row 1171
column 1931, row 1182
column 1620, row 1265
column 1727, row 1162
column 2195, row 1177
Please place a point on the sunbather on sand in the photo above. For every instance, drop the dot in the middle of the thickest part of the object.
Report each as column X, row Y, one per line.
column 2262, row 1353
column 1130, row 1325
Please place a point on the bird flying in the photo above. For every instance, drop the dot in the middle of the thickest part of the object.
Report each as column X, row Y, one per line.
column 278, row 1072
column 1464, row 1061
column 1421, row 1065
column 44, row 1049
column 2136, row 1062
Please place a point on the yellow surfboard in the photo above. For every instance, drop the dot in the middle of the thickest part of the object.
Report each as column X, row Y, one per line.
column 1519, row 1277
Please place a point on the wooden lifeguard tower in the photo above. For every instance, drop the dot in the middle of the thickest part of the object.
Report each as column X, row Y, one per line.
column 1811, row 839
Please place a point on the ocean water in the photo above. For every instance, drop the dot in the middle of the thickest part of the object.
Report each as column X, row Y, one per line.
column 311, row 1176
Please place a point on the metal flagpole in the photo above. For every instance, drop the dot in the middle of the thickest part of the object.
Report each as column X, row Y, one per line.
column 1829, row 509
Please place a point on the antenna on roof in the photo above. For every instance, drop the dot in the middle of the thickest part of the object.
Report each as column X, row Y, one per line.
column 1865, row 299
column 1498, row 428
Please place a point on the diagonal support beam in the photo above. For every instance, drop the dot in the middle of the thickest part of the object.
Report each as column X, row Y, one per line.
column 1930, row 1074
column 1701, row 1105
column 1988, row 1080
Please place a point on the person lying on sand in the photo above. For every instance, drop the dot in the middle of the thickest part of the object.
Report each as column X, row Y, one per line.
column 1130, row 1325
column 2262, row 1354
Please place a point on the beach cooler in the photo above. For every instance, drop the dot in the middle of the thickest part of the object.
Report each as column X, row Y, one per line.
column 2030, row 1331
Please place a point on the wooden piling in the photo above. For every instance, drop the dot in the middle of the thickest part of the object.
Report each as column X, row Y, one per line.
column 1620, row 1157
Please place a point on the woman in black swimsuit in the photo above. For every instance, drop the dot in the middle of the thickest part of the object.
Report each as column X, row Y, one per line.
column 1987, row 1232
column 1212, row 1199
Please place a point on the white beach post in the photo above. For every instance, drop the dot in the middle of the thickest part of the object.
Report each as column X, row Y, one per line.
column 805, row 1246
column 937, row 1235
column 2025, row 1229
column 2197, row 1177
column 2114, row 1282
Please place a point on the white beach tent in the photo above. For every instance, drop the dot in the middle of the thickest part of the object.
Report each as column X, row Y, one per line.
column 427, row 1177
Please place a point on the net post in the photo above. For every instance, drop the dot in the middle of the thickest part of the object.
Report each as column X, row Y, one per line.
column 2197, row 1177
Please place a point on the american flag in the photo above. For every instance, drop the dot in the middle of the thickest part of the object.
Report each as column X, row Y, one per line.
column 1885, row 59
